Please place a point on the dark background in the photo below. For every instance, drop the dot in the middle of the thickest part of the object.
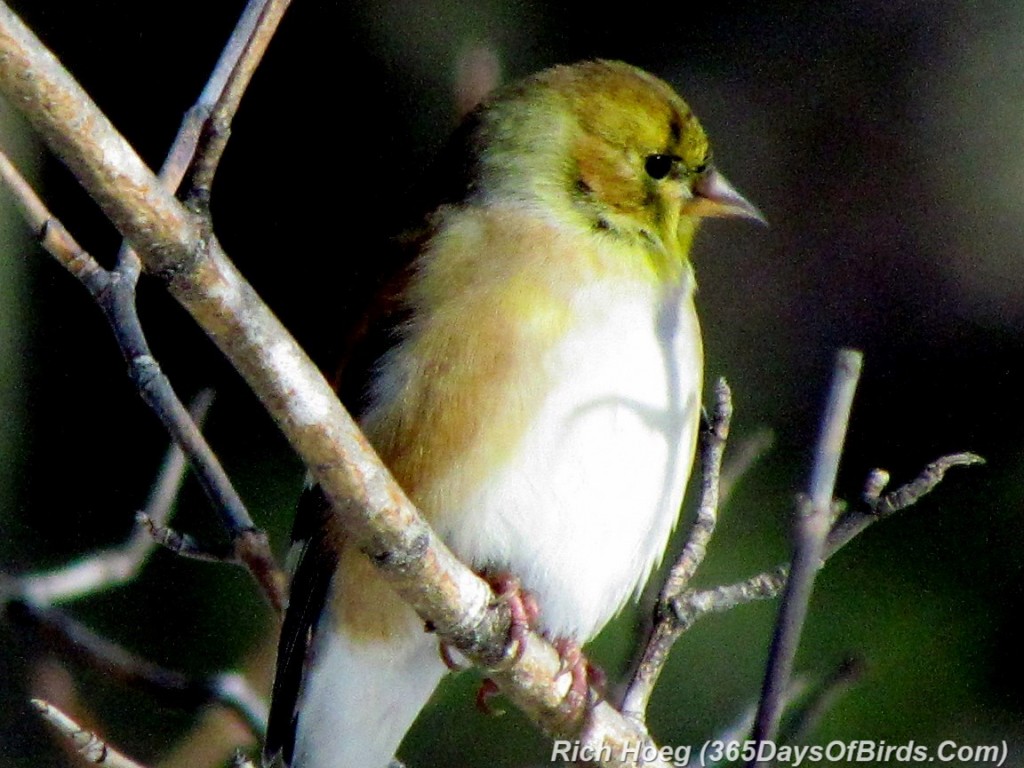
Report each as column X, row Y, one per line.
column 882, row 141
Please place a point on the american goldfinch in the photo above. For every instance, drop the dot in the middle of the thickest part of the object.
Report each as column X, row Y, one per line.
column 532, row 377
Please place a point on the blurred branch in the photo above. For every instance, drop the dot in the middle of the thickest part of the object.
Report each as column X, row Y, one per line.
column 811, row 531
column 174, row 689
column 118, row 565
column 822, row 699
column 477, row 73
column 29, row 600
column 737, row 733
column 742, row 457
column 91, row 747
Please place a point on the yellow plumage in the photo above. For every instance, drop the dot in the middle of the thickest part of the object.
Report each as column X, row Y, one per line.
column 537, row 398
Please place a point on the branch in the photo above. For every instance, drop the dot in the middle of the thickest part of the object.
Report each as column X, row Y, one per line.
column 119, row 565
column 696, row 604
column 173, row 689
column 854, row 522
column 823, row 698
column 91, row 747
column 223, row 93
column 114, row 292
column 812, row 529
column 742, row 457
column 665, row 631
column 173, row 244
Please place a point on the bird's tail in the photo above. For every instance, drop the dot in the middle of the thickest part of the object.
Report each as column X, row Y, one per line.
column 361, row 697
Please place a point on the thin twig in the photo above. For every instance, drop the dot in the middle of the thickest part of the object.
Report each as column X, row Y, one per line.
column 665, row 631
column 115, row 295
column 695, row 604
column 184, row 545
column 712, row 450
column 812, row 529
column 215, row 107
column 742, row 456
column 223, row 93
column 87, row 744
column 853, row 522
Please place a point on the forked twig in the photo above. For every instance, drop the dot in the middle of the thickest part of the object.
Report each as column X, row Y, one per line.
column 696, row 604
column 115, row 294
column 119, row 565
column 665, row 630
column 812, row 527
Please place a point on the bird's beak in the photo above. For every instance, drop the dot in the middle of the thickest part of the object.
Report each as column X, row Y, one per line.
column 714, row 196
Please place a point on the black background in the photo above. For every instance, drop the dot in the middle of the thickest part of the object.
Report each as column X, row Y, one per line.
column 881, row 139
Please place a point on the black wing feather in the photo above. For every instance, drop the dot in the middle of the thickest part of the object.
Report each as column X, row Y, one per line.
column 309, row 588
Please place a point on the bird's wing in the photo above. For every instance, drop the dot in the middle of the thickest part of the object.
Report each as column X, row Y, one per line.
column 316, row 562
column 316, row 540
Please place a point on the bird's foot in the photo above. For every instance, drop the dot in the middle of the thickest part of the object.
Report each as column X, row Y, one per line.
column 485, row 694
column 584, row 676
column 447, row 652
column 523, row 610
column 522, row 607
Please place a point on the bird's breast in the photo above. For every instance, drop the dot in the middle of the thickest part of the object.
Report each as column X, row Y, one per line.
column 582, row 508
column 544, row 419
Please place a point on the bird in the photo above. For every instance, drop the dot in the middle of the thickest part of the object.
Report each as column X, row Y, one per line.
column 530, row 371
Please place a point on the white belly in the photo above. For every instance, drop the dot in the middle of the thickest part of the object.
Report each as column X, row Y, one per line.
column 582, row 511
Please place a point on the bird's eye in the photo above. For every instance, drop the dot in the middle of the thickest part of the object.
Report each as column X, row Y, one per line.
column 701, row 169
column 659, row 166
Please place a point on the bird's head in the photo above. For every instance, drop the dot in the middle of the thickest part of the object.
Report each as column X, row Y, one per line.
column 610, row 147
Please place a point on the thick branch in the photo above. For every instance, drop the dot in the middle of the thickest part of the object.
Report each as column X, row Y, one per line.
column 110, row 170
column 171, row 243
